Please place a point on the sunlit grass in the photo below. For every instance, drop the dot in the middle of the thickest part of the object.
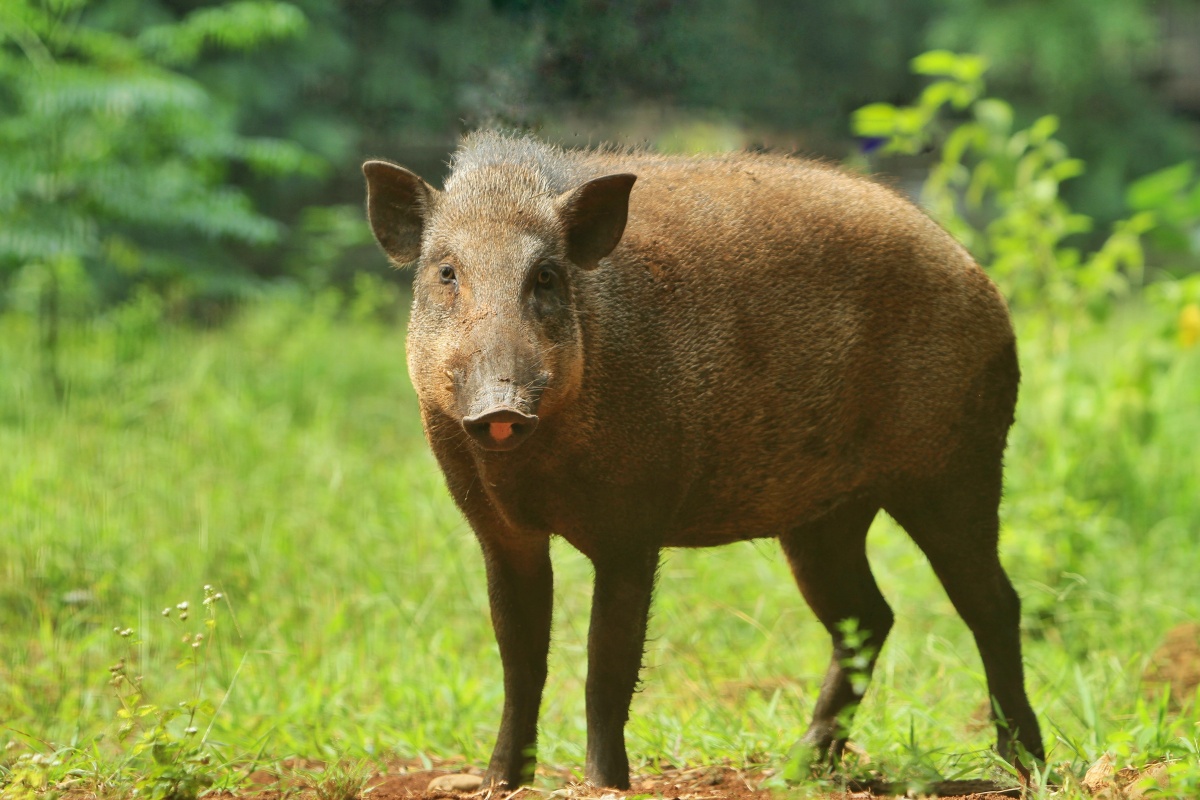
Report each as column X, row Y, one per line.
column 281, row 459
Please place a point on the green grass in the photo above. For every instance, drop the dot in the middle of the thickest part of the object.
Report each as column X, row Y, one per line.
column 280, row 459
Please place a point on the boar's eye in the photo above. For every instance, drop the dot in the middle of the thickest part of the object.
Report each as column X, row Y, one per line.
column 545, row 287
column 546, row 278
column 446, row 273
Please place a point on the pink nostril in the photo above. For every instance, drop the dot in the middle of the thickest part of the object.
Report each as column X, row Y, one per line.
column 500, row 428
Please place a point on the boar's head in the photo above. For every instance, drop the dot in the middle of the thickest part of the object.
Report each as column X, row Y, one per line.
column 494, row 339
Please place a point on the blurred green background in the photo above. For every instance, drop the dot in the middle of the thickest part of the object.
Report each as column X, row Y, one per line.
column 202, row 375
column 201, row 148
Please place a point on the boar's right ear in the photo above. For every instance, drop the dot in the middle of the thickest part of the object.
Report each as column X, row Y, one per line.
column 595, row 215
column 397, row 204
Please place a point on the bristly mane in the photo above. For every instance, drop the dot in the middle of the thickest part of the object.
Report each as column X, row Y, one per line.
column 560, row 169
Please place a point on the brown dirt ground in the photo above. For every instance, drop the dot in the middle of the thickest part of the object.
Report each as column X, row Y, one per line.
column 412, row 782
column 1176, row 664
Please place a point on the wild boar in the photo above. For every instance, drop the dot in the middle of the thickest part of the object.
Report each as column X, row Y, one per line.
column 637, row 351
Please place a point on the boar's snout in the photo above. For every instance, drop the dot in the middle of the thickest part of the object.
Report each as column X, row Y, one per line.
column 501, row 412
column 500, row 427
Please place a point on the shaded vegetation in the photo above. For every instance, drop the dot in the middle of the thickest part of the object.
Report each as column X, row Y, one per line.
column 200, row 147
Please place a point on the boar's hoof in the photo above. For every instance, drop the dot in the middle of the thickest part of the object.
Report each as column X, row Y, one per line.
column 500, row 428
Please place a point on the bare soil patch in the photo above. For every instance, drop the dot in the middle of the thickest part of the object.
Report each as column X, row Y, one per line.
column 450, row 781
column 1176, row 663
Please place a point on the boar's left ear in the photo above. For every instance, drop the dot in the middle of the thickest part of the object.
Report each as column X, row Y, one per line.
column 595, row 215
column 397, row 204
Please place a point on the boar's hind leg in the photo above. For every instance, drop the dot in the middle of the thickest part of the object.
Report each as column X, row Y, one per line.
column 955, row 522
column 829, row 559
column 520, row 588
column 616, row 638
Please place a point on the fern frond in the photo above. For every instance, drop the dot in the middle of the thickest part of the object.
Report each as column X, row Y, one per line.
column 241, row 25
column 70, row 89
column 269, row 156
column 50, row 234
column 115, row 161
column 171, row 196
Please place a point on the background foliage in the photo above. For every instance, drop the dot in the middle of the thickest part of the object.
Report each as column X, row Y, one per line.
column 119, row 165
column 198, row 146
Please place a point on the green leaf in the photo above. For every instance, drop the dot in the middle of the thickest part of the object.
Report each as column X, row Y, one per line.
column 1139, row 223
column 877, row 119
column 955, row 147
column 1043, row 129
column 1159, row 188
column 1070, row 168
column 983, row 177
column 233, row 26
column 937, row 62
column 1170, row 240
column 995, row 115
column 970, row 67
column 280, row 157
column 911, row 121
column 965, row 94
column 1191, row 205
column 51, row 233
column 937, row 94
column 1077, row 223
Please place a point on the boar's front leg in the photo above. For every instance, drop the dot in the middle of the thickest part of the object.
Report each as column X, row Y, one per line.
column 520, row 589
column 620, row 607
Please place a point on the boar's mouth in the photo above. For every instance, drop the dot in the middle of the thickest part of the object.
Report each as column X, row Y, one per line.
column 500, row 427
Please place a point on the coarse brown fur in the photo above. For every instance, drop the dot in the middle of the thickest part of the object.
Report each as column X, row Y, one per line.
column 773, row 348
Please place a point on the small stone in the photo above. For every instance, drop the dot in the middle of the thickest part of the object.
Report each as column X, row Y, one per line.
column 1150, row 780
column 457, row 782
column 1099, row 775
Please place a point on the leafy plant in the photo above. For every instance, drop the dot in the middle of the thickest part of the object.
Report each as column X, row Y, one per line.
column 32, row 775
column 171, row 759
column 115, row 166
column 1172, row 196
column 997, row 188
column 340, row 780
